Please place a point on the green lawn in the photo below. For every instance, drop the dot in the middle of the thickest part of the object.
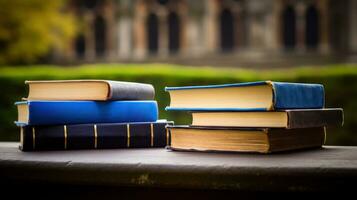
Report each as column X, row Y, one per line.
column 340, row 83
column 169, row 70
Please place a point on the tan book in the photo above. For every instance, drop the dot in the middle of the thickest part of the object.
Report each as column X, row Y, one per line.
column 301, row 118
column 244, row 140
column 89, row 90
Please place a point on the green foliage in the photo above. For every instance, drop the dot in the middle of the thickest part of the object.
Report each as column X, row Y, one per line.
column 30, row 28
column 340, row 83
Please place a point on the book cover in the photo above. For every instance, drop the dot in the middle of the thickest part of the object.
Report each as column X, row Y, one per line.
column 251, row 96
column 89, row 90
column 95, row 136
column 80, row 112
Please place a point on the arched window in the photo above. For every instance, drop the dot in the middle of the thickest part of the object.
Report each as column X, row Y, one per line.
column 152, row 33
column 100, row 36
column 174, row 32
column 289, row 27
column 80, row 46
column 163, row 2
column 312, row 27
column 227, row 30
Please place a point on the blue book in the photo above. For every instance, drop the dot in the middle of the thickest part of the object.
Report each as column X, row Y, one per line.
column 251, row 96
column 80, row 112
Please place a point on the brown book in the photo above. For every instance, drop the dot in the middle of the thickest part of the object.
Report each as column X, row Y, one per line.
column 244, row 140
column 290, row 119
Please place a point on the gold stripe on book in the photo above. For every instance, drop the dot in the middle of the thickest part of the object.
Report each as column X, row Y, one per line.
column 151, row 135
column 22, row 136
column 65, row 136
column 167, row 136
column 324, row 142
column 33, row 138
column 95, row 136
column 128, row 135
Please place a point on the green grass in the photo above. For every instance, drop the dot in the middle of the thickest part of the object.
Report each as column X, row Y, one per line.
column 340, row 83
column 170, row 70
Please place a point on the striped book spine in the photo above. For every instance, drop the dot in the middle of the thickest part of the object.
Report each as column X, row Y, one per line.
column 94, row 136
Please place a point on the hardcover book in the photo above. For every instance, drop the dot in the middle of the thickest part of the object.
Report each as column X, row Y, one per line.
column 89, row 90
column 81, row 112
column 251, row 96
column 244, row 140
column 290, row 119
column 94, row 136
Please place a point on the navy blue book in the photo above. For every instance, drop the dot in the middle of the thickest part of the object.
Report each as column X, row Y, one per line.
column 82, row 112
column 95, row 136
column 251, row 96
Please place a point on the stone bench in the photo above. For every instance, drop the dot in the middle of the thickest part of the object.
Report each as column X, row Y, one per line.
column 144, row 173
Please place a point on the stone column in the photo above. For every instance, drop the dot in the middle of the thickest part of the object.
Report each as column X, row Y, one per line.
column 110, row 43
column 194, row 29
column 257, row 18
column 300, row 10
column 89, row 36
column 163, row 45
column 140, row 50
column 125, row 37
column 183, row 14
column 324, row 34
column 238, row 26
column 124, row 30
column 211, row 26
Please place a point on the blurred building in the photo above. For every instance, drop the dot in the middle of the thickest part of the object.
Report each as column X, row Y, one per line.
column 214, row 32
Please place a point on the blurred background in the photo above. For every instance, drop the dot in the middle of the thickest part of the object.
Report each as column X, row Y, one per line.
column 181, row 42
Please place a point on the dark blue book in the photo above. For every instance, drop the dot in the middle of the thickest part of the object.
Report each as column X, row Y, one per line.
column 82, row 112
column 251, row 96
column 95, row 136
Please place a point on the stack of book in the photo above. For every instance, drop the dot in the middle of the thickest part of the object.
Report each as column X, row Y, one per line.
column 89, row 114
column 260, row 117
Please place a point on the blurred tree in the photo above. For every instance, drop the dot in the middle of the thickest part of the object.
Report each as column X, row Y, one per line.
column 30, row 28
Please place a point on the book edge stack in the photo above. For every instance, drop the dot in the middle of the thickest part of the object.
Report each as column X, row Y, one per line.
column 68, row 127
column 335, row 116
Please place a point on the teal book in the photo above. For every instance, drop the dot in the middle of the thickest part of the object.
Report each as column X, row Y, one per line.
column 251, row 96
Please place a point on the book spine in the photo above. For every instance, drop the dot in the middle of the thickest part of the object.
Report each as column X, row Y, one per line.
column 81, row 112
column 295, row 96
column 130, row 91
column 314, row 118
column 93, row 136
